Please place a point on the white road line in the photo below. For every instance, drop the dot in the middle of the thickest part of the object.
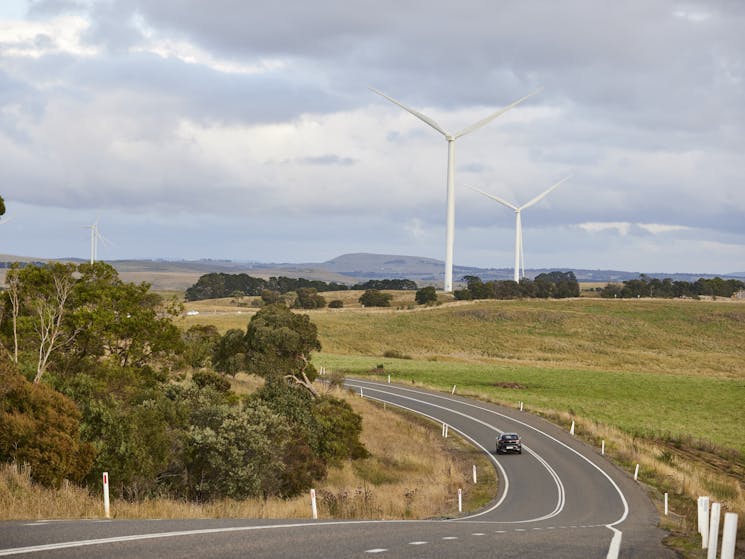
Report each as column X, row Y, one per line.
column 561, row 499
column 478, row 534
column 450, row 537
column 377, row 550
column 615, row 543
column 417, row 543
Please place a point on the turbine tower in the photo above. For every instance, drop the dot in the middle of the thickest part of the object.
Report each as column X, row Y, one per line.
column 450, row 215
column 95, row 236
column 519, row 254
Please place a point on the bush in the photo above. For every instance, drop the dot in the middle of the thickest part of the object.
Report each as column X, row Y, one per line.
column 40, row 427
column 426, row 295
column 375, row 298
column 336, row 304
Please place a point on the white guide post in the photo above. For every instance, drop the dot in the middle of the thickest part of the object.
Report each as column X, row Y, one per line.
column 729, row 535
column 666, row 505
column 703, row 521
column 636, row 472
column 571, row 429
column 313, row 507
column 389, row 379
column 452, row 391
column 716, row 509
column 521, row 406
column 106, row 505
column 447, row 427
column 361, row 394
column 474, row 475
column 460, row 500
column 602, row 447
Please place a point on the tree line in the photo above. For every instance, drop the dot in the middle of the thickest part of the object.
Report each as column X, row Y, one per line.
column 667, row 288
column 552, row 285
column 95, row 376
column 217, row 285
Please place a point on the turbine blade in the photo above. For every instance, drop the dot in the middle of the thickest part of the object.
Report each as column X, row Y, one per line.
column 544, row 194
column 495, row 198
column 487, row 120
column 420, row 116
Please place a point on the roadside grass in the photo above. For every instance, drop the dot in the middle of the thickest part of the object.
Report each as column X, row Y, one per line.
column 412, row 473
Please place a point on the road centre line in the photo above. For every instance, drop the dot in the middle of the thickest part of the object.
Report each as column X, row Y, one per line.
column 557, row 480
column 615, row 544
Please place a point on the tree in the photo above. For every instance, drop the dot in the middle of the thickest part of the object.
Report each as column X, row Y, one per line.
column 279, row 342
column 426, row 295
column 308, row 298
column 199, row 343
column 375, row 298
column 229, row 354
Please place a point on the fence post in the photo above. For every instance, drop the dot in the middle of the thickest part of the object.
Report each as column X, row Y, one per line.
column 729, row 535
column 713, row 530
column 313, row 507
column 106, row 507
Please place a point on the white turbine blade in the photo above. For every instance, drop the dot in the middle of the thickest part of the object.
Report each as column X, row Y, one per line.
column 544, row 194
column 495, row 198
column 4, row 221
column 492, row 116
column 420, row 116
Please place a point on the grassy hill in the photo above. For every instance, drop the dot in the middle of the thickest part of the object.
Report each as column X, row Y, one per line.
column 659, row 368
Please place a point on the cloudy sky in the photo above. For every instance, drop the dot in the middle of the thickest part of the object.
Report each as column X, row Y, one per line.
column 246, row 130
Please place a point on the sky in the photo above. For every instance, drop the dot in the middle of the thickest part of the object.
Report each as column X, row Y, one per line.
column 248, row 131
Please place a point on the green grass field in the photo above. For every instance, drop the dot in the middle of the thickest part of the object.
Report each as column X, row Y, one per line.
column 657, row 368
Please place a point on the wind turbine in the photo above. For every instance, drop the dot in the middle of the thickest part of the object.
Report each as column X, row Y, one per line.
column 519, row 254
column 450, row 215
column 95, row 236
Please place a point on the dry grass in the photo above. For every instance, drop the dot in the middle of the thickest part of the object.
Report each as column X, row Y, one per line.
column 397, row 481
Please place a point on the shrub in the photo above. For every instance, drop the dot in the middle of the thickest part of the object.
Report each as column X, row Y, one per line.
column 426, row 295
column 336, row 304
column 375, row 298
column 40, row 427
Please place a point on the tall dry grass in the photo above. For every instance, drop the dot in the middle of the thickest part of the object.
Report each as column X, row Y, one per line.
column 664, row 468
column 412, row 473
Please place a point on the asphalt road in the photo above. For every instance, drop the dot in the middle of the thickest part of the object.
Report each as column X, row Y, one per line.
column 559, row 499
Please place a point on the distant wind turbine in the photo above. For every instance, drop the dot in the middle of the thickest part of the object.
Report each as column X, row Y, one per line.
column 450, row 216
column 519, row 254
column 95, row 236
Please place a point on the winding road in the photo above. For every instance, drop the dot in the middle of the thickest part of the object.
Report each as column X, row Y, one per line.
column 559, row 499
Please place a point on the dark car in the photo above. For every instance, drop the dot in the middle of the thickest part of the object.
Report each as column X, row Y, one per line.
column 509, row 442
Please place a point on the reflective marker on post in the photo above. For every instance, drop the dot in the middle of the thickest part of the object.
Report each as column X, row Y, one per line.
column 106, row 508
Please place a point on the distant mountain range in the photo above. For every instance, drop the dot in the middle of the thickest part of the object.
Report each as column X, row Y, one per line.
column 347, row 268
